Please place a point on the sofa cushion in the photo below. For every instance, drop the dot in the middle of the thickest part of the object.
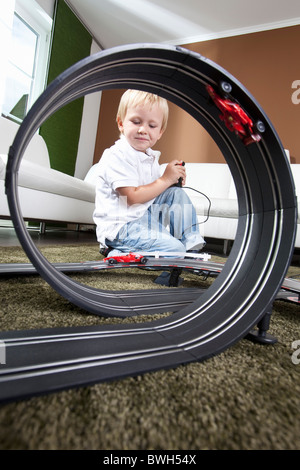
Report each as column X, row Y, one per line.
column 217, row 207
column 36, row 151
column 36, row 177
column 92, row 175
column 213, row 179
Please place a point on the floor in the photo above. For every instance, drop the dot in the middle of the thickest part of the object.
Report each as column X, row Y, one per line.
column 8, row 236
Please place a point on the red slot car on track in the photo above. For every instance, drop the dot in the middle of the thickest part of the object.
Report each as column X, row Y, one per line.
column 235, row 118
column 127, row 258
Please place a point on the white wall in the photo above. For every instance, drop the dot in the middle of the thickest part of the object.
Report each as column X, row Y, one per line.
column 88, row 131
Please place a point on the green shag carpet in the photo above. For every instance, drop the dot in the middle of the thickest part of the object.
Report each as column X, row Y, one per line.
column 246, row 398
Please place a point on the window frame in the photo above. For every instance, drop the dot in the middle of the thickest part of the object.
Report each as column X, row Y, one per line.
column 37, row 20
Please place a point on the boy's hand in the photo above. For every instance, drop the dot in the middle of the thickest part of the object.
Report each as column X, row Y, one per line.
column 174, row 170
column 144, row 193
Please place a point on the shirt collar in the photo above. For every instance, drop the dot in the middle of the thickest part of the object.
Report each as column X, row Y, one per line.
column 155, row 154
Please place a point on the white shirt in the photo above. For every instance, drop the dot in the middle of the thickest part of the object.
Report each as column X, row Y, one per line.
column 121, row 166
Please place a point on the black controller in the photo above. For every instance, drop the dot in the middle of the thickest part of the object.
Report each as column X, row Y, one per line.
column 179, row 182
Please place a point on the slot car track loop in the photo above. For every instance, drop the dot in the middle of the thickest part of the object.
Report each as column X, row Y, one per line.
column 251, row 277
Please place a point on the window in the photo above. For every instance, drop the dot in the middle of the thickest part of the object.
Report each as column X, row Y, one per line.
column 20, row 70
column 27, row 59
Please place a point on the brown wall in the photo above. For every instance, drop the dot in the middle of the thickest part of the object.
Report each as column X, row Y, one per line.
column 266, row 63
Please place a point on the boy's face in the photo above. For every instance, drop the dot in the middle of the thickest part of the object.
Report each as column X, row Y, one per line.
column 142, row 126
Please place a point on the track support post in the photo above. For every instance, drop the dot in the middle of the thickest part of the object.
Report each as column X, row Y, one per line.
column 261, row 335
column 170, row 279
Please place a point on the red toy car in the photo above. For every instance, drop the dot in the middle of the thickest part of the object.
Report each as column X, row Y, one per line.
column 128, row 258
column 235, row 118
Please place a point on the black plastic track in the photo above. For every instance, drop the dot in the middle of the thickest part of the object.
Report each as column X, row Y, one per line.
column 251, row 277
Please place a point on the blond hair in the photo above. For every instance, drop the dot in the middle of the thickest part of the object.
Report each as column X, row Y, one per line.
column 134, row 98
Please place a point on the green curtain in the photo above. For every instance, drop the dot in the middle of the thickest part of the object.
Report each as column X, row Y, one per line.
column 71, row 42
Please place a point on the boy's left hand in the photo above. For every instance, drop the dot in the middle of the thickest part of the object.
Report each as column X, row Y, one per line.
column 182, row 177
column 175, row 170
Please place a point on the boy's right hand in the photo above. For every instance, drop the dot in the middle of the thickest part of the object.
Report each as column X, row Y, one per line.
column 174, row 170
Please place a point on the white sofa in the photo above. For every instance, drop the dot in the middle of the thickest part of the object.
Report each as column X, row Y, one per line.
column 45, row 194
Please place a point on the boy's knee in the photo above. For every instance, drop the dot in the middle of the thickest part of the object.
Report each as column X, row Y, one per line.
column 173, row 190
column 175, row 245
column 179, row 196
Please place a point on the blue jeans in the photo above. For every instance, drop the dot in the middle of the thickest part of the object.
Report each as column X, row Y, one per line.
column 172, row 209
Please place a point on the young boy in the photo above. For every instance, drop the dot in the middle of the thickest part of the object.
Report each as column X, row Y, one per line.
column 134, row 202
